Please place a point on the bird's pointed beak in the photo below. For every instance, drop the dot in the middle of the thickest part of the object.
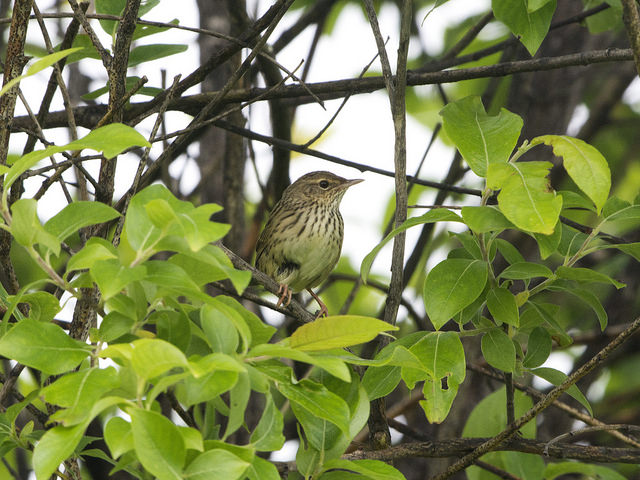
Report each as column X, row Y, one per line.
column 350, row 183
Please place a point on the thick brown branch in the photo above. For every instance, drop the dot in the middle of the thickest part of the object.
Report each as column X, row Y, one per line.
column 631, row 19
column 88, row 116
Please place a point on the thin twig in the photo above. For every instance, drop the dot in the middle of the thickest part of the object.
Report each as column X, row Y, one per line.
column 595, row 428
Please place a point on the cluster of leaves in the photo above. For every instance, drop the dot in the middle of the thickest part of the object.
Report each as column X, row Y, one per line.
column 161, row 334
column 510, row 308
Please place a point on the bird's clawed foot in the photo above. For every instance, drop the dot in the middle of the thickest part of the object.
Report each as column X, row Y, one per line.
column 285, row 295
column 323, row 308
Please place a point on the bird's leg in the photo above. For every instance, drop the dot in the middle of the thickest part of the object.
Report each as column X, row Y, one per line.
column 285, row 293
column 323, row 308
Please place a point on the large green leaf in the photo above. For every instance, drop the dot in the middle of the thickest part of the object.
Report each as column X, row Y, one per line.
column 584, row 163
column 55, row 446
column 336, row 332
column 452, row 285
column 27, row 229
column 525, row 197
column 43, row 346
column 77, row 392
column 267, row 436
column 502, row 305
column 482, row 139
column 111, row 140
column 77, row 215
column 530, row 26
column 487, row 419
column 158, row 444
column 443, row 354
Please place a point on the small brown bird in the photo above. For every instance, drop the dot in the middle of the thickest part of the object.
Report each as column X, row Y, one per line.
column 301, row 242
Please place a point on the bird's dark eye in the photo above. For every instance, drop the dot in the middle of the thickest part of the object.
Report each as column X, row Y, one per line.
column 323, row 184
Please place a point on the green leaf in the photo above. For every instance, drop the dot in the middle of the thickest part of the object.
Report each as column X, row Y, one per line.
column 548, row 244
column 631, row 212
column 481, row 139
column 259, row 331
column 381, row 381
column 267, row 435
column 489, row 416
column 337, row 331
column 216, row 463
column 26, row 228
column 556, row 377
column 443, row 353
column 43, row 346
column 487, row 419
column 172, row 280
column 498, row 350
column 147, row 53
column 632, row 249
column 112, row 277
column 38, row 66
column 206, row 387
column 319, row 401
column 586, row 275
column 432, row 216
column 77, row 215
column 584, row 163
column 373, row 469
column 562, row 469
column 573, row 200
column 525, row 271
column 118, row 436
column 210, row 264
column 55, row 446
column 158, row 444
column 452, row 285
column 238, row 400
column 508, row 251
column 262, row 469
column 77, row 392
column 525, row 197
column 94, row 250
column 485, row 219
column 44, row 306
column 613, row 205
column 530, row 26
column 114, row 325
column 538, row 348
column 217, row 308
column 130, row 83
column 502, row 305
column 219, row 330
column 152, row 357
column 111, row 140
